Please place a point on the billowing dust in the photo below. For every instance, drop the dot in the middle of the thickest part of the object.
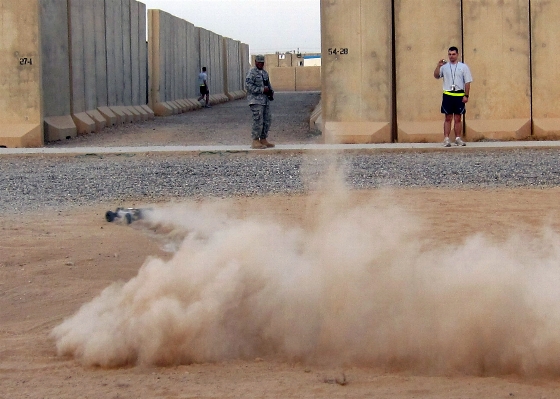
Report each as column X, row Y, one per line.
column 353, row 286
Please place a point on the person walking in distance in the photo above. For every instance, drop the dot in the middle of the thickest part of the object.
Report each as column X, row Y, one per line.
column 259, row 95
column 203, row 83
column 457, row 80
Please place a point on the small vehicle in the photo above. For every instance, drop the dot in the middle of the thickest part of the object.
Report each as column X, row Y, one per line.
column 128, row 214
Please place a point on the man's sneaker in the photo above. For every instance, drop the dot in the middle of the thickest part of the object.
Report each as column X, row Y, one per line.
column 459, row 141
column 446, row 142
column 207, row 106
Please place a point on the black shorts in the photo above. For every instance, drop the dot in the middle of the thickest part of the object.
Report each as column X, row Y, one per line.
column 452, row 105
column 204, row 90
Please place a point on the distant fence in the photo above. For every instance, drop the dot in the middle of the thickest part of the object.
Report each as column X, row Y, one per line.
column 72, row 67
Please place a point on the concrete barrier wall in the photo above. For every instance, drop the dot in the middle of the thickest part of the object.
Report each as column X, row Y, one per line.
column 418, row 47
column 233, row 69
column 295, row 78
column 56, row 92
column 173, row 54
column 512, row 80
column 282, row 79
column 357, row 69
column 308, row 78
column 94, row 57
column 177, row 52
column 20, row 85
column 245, row 62
column 500, row 106
column 546, row 77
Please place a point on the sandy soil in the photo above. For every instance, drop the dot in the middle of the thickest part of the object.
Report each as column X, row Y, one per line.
column 52, row 263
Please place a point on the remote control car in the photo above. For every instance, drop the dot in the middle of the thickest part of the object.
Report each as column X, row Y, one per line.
column 128, row 214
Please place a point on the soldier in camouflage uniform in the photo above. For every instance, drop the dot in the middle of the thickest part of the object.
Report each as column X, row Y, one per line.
column 259, row 92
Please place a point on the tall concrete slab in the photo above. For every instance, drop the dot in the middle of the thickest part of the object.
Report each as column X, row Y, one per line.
column 111, row 36
column 497, row 50
column 142, row 55
column 119, row 33
column 357, row 71
column 58, row 123
column 154, row 72
column 204, row 46
column 545, row 15
column 232, row 66
column 55, row 58
column 78, row 45
column 87, row 24
column 100, row 53
column 246, row 62
column 126, row 49
column 134, row 7
column 21, row 114
column 193, row 61
column 424, row 30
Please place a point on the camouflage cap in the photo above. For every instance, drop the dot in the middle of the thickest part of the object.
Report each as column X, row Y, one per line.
column 259, row 58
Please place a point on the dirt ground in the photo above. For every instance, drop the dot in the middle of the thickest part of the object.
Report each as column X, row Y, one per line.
column 51, row 263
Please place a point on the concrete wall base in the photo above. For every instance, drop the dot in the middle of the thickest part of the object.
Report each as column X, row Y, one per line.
column 60, row 128
column 546, row 128
column 236, row 95
column 84, row 123
column 110, row 117
column 218, row 98
column 177, row 109
column 503, row 129
column 129, row 116
column 163, row 109
column 21, row 135
column 184, row 105
column 143, row 113
column 420, row 132
column 315, row 116
column 357, row 132
column 197, row 104
column 99, row 119
column 151, row 114
column 135, row 114
column 121, row 116
column 190, row 105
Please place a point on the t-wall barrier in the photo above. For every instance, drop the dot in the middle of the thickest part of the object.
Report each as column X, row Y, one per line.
column 70, row 67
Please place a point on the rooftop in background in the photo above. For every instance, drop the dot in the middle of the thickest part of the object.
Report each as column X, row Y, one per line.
column 290, row 59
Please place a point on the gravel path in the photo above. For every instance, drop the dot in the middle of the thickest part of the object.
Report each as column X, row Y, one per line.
column 38, row 182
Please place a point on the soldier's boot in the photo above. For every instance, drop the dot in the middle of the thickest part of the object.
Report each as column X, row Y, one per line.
column 266, row 143
column 257, row 145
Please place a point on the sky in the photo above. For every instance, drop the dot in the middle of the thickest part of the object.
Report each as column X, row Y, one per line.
column 267, row 26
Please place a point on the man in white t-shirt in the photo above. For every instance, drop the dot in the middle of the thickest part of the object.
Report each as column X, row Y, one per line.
column 203, row 83
column 457, row 80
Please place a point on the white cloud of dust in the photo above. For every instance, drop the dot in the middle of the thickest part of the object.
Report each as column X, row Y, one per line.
column 356, row 286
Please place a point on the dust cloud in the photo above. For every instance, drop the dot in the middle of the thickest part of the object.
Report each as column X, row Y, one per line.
column 352, row 286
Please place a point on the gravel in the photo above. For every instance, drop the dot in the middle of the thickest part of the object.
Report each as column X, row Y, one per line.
column 32, row 183
column 61, row 182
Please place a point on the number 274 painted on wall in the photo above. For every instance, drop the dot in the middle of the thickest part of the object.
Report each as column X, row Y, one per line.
column 337, row 51
column 26, row 61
